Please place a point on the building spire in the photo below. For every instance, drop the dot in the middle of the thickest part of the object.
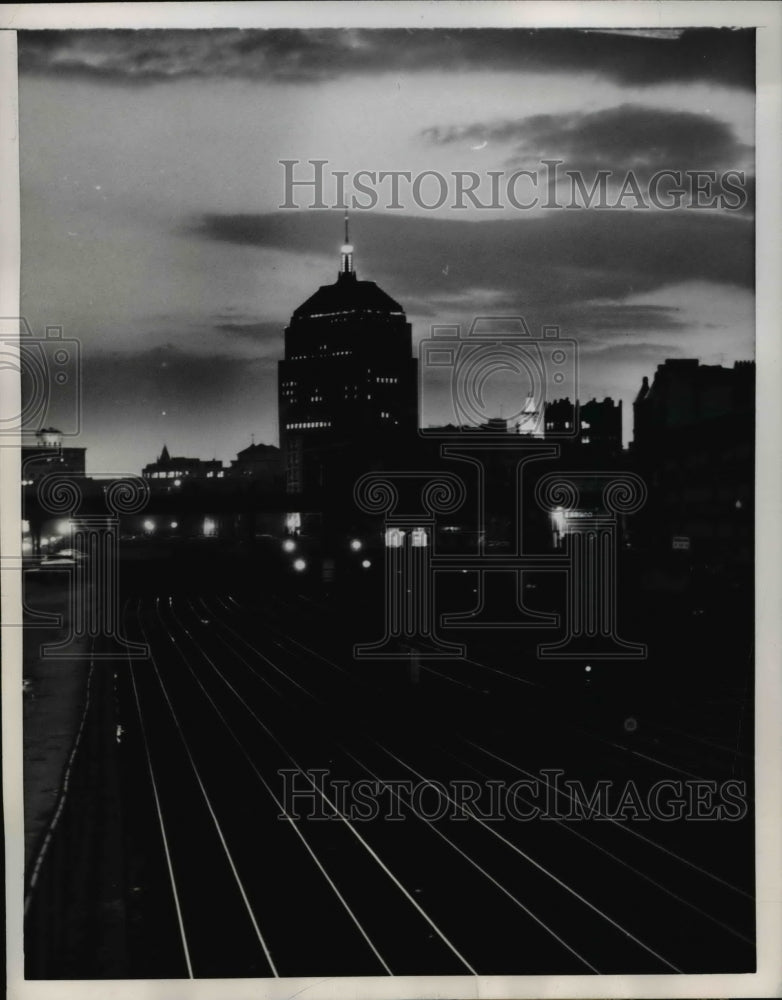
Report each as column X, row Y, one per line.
column 346, row 265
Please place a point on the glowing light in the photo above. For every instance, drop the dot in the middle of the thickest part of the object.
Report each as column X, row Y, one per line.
column 587, row 668
column 149, row 526
column 419, row 539
column 293, row 522
column 63, row 527
column 366, row 563
column 289, row 545
column 300, row 565
column 177, row 482
column 175, row 524
column 210, row 528
column 356, row 544
column 346, row 248
column 395, row 538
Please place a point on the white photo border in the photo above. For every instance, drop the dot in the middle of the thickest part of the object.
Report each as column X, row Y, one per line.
column 767, row 19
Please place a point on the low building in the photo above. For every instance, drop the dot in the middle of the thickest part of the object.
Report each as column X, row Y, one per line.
column 178, row 469
column 261, row 463
column 48, row 455
column 596, row 423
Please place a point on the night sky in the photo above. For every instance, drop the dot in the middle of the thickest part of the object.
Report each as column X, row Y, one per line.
column 151, row 184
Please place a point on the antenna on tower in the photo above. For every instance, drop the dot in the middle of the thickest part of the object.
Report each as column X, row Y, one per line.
column 346, row 266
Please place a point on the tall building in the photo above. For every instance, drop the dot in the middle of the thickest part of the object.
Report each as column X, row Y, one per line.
column 347, row 384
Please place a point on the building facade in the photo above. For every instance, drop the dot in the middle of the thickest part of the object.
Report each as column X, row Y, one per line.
column 694, row 444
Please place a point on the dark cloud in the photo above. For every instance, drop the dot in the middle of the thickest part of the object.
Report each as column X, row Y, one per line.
column 721, row 56
column 617, row 353
column 623, row 316
column 627, row 137
column 267, row 333
column 181, row 382
column 548, row 262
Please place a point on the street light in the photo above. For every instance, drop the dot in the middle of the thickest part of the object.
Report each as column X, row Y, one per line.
column 149, row 526
column 356, row 544
column 366, row 563
column 300, row 565
column 289, row 545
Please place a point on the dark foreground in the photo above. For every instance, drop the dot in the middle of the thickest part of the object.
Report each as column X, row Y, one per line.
column 176, row 852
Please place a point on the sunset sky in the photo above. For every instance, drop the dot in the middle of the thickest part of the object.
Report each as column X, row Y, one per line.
column 151, row 186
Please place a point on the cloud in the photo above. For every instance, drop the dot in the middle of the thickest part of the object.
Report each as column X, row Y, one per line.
column 627, row 137
column 607, row 317
column 169, row 378
column 548, row 262
column 268, row 333
column 641, row 352
column 720, row 56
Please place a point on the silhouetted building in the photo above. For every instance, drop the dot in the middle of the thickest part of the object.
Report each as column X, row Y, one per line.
column 347, row 384
column 178, row 469
column 261, row 463
column 48, row 455
column 597, row 424
column 684, row 393
column 693, row 442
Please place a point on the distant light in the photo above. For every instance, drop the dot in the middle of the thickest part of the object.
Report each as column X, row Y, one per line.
column 289, row 545
column 739, row 505
column 395, row 538
column 27, row 545
column 177, row 482
column 419, row 538
column 366, row 563
column 356, row 544
column 300, row 565
column 175, row 524
column 210, row 528
column 347, row 248
column 63, row 527
column 149, row 526
column 587, row 668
